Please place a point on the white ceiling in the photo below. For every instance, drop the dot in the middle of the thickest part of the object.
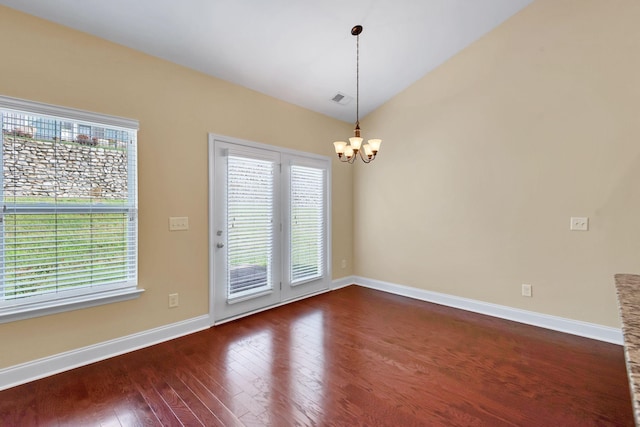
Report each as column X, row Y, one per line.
column 300, row 51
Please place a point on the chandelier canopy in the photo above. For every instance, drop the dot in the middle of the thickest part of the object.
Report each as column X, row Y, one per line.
column 348, row 151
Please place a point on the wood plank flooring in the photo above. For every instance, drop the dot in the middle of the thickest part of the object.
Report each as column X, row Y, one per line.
column 351, row 357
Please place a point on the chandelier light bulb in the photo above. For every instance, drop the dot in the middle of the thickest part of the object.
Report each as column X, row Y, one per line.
column 367, row 151
column 340, row 146
column 349, row 153
column 355, row 142
column 375, row 145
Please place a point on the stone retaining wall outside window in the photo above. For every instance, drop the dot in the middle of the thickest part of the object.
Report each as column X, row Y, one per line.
column 37, row 168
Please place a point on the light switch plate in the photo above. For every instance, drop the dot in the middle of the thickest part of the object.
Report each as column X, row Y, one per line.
column 579, row 223
column 173, row 300
column 178, row 223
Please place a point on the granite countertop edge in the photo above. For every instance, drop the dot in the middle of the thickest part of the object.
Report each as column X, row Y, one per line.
column 628, row 291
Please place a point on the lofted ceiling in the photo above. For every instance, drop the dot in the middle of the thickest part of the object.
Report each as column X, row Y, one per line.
column 299, row 51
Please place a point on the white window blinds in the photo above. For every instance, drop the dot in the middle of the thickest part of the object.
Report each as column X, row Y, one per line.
column 69, row 203
column 250, row 216
column 308, row 226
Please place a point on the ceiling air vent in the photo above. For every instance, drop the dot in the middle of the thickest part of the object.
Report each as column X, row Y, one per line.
column 341, row 98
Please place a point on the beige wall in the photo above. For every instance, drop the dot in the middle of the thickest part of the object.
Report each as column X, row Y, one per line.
column 176, row 108
column 485, row 160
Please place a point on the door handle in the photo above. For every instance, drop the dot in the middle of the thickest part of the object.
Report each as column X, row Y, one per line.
column 220, row 245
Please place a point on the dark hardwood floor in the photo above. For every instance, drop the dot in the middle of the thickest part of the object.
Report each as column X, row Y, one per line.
column 352, row 357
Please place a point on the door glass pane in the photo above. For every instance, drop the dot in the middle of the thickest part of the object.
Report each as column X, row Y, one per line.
column 307, row 223
column 250, row 188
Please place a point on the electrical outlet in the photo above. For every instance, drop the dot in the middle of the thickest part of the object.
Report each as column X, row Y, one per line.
column 178, row 223
column 344, row 263
column 173, row 300
column 579, row 223
column 526, row 290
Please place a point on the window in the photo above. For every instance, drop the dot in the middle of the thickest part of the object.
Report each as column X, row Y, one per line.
column 308, row 228
column 68, row 235
column 250, row 213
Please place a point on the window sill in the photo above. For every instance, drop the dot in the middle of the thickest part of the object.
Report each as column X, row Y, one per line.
column 27, row 311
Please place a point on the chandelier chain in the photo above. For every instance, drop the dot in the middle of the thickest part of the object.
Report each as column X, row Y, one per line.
column 358, row 79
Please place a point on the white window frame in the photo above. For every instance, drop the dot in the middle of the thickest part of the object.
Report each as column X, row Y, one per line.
column 28, row 307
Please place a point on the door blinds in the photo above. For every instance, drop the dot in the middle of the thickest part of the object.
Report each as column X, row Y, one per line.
column 308, row 227
column 250, row 227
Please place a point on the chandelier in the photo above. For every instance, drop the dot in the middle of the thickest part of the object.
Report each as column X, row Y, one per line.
column 347, row 152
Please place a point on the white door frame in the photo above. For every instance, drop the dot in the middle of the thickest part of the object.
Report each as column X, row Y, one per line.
column 212, row 138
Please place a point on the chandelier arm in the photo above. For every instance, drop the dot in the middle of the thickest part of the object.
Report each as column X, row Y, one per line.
column 345, row 159
column 365, row 158
column 350, row 160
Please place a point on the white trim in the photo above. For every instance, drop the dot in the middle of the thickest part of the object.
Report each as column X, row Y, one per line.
column 66, row 113
column 28, row 310
column 47, row 366
column 282, row 150
column 343, row 282
column 212, row 236
column 560, row 324
column 261, row 309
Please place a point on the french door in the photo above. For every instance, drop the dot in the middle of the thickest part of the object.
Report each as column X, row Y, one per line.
column 269, row 239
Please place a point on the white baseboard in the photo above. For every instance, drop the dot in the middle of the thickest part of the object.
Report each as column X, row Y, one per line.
column 342, row 282
column 569, row 326
column 30, row 371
